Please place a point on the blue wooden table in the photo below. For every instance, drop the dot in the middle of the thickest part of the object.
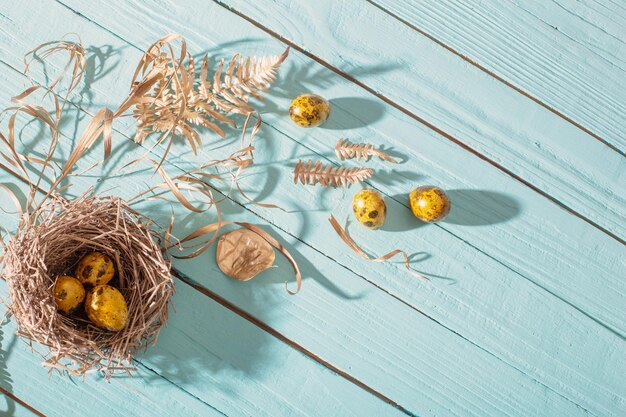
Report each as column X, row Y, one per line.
column 516, row 108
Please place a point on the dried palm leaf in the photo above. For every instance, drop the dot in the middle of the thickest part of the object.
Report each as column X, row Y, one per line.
column 347, row 150
column 329, row 176
column 171, row 97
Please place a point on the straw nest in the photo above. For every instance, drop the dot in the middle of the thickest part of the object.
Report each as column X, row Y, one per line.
column 49, row 242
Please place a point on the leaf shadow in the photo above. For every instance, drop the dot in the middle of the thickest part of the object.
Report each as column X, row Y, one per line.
column 307, row 269
column 6, row 382
column 398, row 156
column 300, row 78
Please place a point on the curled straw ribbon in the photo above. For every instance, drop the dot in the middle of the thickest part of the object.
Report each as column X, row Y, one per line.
column 215, row 229
column 352, row 244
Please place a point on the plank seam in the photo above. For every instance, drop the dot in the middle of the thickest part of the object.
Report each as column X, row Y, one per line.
column 509, row 84
column 419, row 119
column 21, row 402
column 179, row 387
column 270, row 330
column 291, row 343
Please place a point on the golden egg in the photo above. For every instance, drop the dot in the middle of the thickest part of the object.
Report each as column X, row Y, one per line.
column 369, row 208
column 95, row 268
column 106, row 308
column 429, row 203
column 309, row 110
column 69, row 293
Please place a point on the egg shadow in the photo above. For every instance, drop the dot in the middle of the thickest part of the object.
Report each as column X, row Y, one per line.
column 353, row 113
column 399, row 217
column 307, row 269
column 481, row 207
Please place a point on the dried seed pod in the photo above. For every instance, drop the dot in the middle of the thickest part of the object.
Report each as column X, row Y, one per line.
column 242, row 254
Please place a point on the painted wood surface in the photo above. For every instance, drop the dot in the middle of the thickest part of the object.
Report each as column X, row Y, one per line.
column 459, row 102
column 515, row 323
column 567, row 55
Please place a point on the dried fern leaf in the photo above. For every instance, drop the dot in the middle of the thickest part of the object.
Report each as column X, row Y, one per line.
column 347, row 150
column 329, row 176
column 244, row 77
column 170, row 96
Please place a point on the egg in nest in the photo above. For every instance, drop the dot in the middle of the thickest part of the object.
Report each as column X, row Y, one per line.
column 69, row 293
column 95, row 268
column 106, row 308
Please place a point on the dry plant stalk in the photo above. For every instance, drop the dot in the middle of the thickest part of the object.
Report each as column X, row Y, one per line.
column 344, row 149
column 329, row 176
column 343, row 234
column 49, row 242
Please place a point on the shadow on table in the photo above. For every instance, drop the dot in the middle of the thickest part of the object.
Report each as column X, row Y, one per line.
column 399, row 217
column 469, row 208
column 353, row 113
column 209, row 336
column 481, row 207
column 5, row 377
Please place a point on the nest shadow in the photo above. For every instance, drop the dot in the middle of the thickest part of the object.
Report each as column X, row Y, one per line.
column 211, row 336
column 9, row 407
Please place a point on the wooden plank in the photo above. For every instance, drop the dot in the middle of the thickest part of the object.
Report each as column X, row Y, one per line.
column 14, row 406
column 544, row 260
column 566, row 54
column 458, row 101
column 391, row 273
column 428, row 379
column 52, row 395
column 597, row 26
